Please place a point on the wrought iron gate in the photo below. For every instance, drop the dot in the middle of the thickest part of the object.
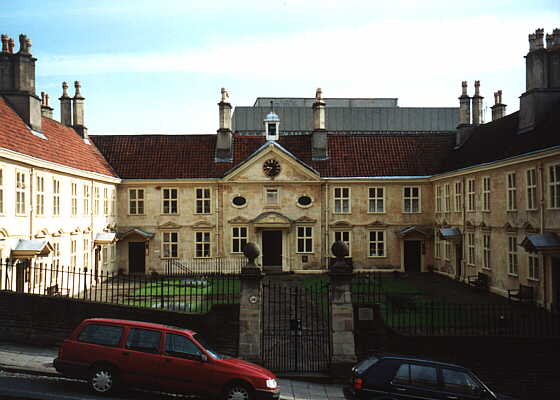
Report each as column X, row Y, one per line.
column 296, row 328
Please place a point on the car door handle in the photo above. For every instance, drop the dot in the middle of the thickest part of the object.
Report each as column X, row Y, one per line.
column 452, row 397
column 401, row 389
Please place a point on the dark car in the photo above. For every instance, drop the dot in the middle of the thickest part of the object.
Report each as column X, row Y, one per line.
column 396, row 378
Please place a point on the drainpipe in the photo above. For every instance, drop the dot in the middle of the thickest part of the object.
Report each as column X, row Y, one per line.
column 219, row 224
column 541, row 215
column 31, row 203
column 464, row 190
column 326, row 255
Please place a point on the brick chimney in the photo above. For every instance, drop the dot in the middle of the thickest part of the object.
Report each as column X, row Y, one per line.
column 224, row 149
column 542, row 79
column 319, row 146
column 78, row 112
column 498, row 109
column 46, row 110
column 477, row 104
column 17, row 81
column 65, row 106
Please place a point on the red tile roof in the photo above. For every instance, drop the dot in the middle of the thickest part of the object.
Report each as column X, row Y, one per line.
column 192, row 156
column 63, row 145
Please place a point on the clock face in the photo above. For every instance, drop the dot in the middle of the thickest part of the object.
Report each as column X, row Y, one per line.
column 271, row 167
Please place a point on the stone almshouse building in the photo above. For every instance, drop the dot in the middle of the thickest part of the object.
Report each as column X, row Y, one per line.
column 409, row 189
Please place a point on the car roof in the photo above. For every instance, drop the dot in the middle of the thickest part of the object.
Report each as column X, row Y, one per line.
column 414, row 359
column 140, row 324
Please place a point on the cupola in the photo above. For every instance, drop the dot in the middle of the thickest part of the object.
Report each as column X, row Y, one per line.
column 272, row 124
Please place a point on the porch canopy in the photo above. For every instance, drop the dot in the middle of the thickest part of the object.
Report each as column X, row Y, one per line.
column 547, row 243
column 425, row 232
column 452, row 234
column 31, row 248
column 136, row 231
column 105, row 238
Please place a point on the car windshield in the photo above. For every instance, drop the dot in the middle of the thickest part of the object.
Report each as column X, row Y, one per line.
column 365, row 364
column 208, row 348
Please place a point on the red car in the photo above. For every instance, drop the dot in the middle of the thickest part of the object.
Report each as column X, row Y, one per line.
column 111, row 353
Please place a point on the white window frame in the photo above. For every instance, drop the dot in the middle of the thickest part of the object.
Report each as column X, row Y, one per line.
column 376, row 197
column 55, row 254
column 471, row 250
column 170, row 245
column 86, row 253
column 533, row 266
column 447, row 248
column 439, row 198
column 86, row 200
column 411, row 198
column 342, row 196
column 271, row 196
column 135, row 199
column 486, row 251
column 96, row 200
column 447, row 205
column 73, row 253
column 344, row 236
column 170, row 201
column 511, row 191
column 202, row 244
column 40, row 195
column 21, row 205
column 1, row 192
column 512, row 255
column 304, row 239
column 437, row 247
column 203, row 200
column 56, row 197
column 531, row 181
column 471, row 195
column 74, row 199
column 377, row 241
column 239, row 238
column 113, row 201
column 554, row 186
column 458, row 196
column 486, row 190
column 106, row 201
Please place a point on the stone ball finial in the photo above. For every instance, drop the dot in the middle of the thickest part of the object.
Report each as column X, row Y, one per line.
column 319, row 94
column 77, row 86
column 339, row 249
column 64, row 89
column 225, row 95
column 251, row 251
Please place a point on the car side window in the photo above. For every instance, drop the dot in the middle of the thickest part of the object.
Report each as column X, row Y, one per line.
column 459, row 382
column 415, row 374
column 143, row 340
column 101, row 334
column 181, row 346
column 381, row 372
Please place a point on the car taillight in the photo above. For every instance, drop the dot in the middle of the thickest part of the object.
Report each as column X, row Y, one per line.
column 358, row 383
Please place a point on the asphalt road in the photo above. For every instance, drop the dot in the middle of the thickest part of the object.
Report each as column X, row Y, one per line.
column 34, row 387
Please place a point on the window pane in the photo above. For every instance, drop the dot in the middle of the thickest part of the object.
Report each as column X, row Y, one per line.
column 101, row 334
column 181, row 346
column 459, row 382
column 423, row 375
column 143, row 340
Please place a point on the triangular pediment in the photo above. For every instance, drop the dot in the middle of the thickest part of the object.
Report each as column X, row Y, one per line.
column 169, row 225
column 202, row 225
column 305, row 220
column 287, row 167
column 509, row 227
column 469, row 226
column 484, row 227
column 527, row 227
column 43, row 233
column 58, row 233
column 238, row 220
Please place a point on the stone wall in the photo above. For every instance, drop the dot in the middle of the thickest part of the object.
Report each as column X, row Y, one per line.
column 43, row 320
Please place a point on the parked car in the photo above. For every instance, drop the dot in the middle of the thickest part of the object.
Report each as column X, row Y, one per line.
column 396, row 378
column 111, row 353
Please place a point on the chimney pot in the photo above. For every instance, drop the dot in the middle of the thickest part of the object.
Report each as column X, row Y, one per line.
column 498, row 109
column 11, row 45
column 319, row 149
column 4, row 43
column 65, row 106
column 77, row 86
column 224, row 143
column 464, row 105
column 477, row 104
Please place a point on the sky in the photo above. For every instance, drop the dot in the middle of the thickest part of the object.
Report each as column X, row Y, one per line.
column 158, row 66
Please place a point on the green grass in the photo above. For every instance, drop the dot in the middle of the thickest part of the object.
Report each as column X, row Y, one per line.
column 177, row 288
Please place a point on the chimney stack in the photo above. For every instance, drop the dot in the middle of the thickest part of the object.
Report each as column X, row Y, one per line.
column 477, row 104
column 542, row 78
column 319, row 147
column 78, row 112
column 498, row 109
column 65, row 106
column 224, row 151
column 464, row 106
column 46, row 110
column 17, row 81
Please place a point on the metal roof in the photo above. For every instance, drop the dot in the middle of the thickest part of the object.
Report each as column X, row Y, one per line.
column 345, row 119
column 329, row 101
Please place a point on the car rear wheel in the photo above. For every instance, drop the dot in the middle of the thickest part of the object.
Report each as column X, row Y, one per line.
column 238, row 391
column 102, row 379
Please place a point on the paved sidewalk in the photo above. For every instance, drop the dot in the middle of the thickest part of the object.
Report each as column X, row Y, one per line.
column 38, row 360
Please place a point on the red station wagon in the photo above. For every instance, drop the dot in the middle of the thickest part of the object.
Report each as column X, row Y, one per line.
column 111, row 353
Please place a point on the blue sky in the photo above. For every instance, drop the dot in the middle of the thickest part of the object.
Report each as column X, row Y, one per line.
column 158, row 66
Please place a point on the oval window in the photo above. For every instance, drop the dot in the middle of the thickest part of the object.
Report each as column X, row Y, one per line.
column 239, row 201
column 304, row 200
